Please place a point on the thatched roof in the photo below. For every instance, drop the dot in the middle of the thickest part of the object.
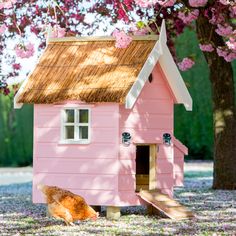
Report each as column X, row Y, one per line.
column 85, row 70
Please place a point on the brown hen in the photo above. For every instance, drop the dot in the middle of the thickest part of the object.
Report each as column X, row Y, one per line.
column 66, row 205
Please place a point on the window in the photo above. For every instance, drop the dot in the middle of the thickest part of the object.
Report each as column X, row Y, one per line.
column 75, row 125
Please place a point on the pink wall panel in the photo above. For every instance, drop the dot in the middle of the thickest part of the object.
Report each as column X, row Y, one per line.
column 127, row 167
column 77, row 181
column 53, row 150
column 164, row 107
column 165, row 181
column 77, row 166
column 178, row 167
column 126, row 182
column 164, row 166
column 151, row 116
column 155, row 121
column 98, row 135
column 165, row 152
column 92, row 197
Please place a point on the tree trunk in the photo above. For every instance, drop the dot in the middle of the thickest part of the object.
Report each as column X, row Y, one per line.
column 224, row 110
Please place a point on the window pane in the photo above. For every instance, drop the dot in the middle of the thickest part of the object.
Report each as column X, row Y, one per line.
column 69, row 132
column 70, row 116
column 83, row 132
column 83, row 116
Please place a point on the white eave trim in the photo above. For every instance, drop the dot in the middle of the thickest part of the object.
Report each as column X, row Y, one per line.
column 138, row 85
column 162, row 54
column 175, row 79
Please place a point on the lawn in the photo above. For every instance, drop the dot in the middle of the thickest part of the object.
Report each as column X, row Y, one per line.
column 215, row 213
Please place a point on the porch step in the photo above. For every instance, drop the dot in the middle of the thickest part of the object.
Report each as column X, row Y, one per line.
column 166, row 205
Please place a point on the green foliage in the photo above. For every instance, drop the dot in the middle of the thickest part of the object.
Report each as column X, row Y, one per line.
column 16, row 133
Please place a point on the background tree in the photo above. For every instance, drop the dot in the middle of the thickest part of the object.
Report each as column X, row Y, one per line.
column 215, row 28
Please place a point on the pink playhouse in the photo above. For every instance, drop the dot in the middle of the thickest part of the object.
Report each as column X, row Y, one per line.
column 104, row 118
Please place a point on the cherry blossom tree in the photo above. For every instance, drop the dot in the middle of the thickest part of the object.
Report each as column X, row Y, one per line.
column 215, row 29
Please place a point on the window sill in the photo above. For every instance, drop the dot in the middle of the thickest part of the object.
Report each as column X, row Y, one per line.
column 74, row 142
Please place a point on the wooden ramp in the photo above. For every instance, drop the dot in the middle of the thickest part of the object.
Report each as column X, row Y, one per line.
column 164, row 204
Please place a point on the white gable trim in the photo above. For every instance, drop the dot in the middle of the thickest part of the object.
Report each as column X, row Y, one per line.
column 143, row 76
column 175, row 79
column 162, row 54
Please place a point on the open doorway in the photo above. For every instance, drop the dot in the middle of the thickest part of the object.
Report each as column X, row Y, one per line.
column 145, row 167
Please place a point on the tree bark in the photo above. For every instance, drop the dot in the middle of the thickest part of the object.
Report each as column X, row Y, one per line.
column 224, row 110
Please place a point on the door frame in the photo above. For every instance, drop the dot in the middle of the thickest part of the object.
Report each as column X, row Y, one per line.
column 152, row 184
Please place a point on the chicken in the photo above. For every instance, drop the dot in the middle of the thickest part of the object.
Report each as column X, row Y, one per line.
column 63, row 204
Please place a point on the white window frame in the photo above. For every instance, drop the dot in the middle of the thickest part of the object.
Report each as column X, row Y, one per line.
column 75, row 124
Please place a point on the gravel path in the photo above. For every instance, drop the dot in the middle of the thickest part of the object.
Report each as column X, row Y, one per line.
column 215, row 210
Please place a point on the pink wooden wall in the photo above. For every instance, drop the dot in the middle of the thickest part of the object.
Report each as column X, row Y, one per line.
column 90, row 170
column 104, row 171
column 151, row 116
column 179, row 151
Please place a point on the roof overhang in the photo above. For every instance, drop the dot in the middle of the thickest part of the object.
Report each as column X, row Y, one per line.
column 161, row 54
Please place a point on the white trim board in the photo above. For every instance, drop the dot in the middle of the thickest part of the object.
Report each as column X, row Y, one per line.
column 161, row 54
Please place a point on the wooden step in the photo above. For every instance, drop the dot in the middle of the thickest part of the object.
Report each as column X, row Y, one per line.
column 166, row 205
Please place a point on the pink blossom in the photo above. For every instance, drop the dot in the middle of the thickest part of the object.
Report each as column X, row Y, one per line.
column 232, row 11
column 166, row 3
column 186, row 64
column 57, row 32
column 7, row 4
column 206, row 47
column 197, row 3
column 16, row 66
column 227, row 55
column 188, row 17
column 2, row 29
column 217, row 17
column 24, row 51
column 225, row 30
column 231, row 43
column 224, row 2
column 139, row 31
column 122, row 39
column 145, row 3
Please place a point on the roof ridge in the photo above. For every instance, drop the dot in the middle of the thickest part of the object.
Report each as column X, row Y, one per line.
column 101, row 38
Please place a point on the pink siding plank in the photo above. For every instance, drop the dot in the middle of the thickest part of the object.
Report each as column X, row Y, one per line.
column 126, row 182
column 144, row 121
column 160, row 92
column 127, row 167
column 164, row 166
column 77, row 181
column 165, row 181
column 179, row 165
column 98, row 135
column 179, row 179
column 164, row 107
column 92, row 197
column 127, row 152
column 48, row 120
column 169, row 192
column 94, row 151
column 165, row 152
column 77, row 166
column 129, row 198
